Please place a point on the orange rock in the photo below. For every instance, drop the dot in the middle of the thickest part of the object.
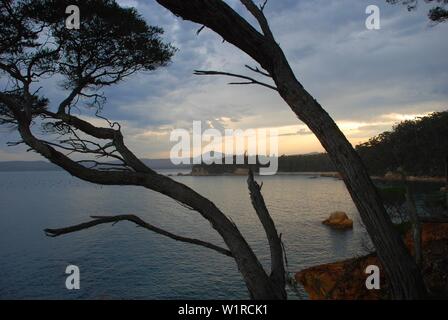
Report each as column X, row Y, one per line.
column 430, row 232
column 345, row 280
column 339, row 220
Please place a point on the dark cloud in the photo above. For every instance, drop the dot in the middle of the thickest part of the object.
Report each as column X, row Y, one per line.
column 301, row 132
column 356, row 74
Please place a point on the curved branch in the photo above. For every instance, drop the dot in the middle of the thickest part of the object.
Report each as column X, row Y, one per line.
column 257, row 281
column 249, row 79
column 132, row 218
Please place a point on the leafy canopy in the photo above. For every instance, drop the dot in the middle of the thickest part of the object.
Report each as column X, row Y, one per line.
column 112, row 44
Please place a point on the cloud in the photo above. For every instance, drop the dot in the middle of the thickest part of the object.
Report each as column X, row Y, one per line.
column 300, row 132
column 367, row 78
column 128, row 3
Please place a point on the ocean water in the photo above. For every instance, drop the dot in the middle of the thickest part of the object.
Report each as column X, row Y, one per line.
column 126, row 262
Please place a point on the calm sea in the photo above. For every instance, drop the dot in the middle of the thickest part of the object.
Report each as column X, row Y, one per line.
column 125, row 262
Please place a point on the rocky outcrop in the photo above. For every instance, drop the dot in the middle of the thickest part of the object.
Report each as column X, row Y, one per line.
column 241, row 172
column 339, row 220
column 345, row 280
column 393, row 176
column 199, row 171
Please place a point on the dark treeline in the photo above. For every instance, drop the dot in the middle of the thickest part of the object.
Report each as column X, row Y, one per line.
column 306, row 163
column 419, row 147
column 318, row 162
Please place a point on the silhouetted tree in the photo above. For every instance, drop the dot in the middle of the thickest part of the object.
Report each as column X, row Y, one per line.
column 418, row 146
column 112, row 44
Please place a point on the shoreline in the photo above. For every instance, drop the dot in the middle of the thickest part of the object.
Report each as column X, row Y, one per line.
column 344, row 279
column 334, row 175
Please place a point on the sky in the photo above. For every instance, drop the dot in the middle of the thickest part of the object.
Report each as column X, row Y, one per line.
column 367, row 80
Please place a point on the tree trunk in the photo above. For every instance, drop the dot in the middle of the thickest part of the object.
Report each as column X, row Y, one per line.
column 278, row 273
column 446, row 182
column 402, row 272
column 416, row 224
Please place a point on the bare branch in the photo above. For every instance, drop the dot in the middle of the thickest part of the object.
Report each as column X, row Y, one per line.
column 98, row 220
column 67, row 101
column 14, row 143
column 84, row 126
column 79, row 146
column 111, row 124
column 104, row 166
column 200, row 30
column 275, row 243
column 259, row 15
column 257, row 70
column 104, row 134
column 249, row 79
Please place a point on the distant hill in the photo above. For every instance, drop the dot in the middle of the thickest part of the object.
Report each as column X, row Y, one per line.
column 27, row 166
column 164, row 164
column 6, row 166
column 311, row 162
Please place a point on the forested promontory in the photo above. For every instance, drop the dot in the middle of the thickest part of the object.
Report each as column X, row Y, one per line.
column 419, row 147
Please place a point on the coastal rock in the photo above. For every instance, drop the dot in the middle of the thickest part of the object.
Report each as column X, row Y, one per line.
column 199, row 171
column 345, row 280
column 339, row 220
column 241, row 172
column 392, row 176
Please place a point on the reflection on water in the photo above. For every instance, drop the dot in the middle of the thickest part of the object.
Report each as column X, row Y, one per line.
column 123, row 261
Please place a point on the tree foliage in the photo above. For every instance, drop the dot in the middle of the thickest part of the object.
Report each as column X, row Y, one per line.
column 112, row 44
column 419, row 147
column 438, row 13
